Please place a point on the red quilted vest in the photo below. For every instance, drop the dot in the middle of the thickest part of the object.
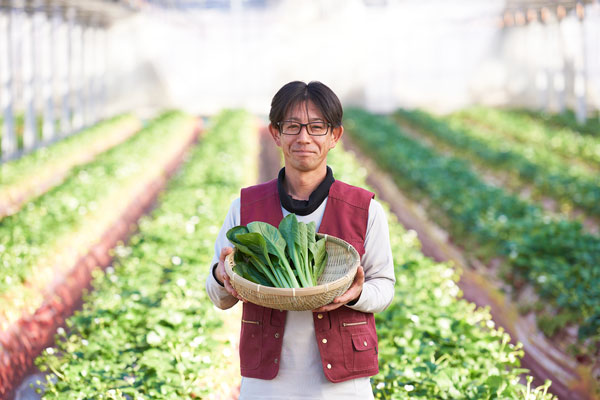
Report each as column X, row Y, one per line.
column 347, row 339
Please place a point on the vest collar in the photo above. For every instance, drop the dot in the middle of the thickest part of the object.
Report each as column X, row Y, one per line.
column 304, row 207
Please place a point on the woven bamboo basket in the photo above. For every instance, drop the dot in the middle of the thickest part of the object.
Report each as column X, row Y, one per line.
column 342, row 262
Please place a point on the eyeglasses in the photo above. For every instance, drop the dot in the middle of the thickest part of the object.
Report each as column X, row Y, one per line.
column 313, row 128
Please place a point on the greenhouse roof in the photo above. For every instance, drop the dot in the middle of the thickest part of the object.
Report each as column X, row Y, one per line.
column 539, row 4
column 101, row 12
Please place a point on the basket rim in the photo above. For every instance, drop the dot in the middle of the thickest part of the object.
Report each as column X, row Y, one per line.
column 296, row 292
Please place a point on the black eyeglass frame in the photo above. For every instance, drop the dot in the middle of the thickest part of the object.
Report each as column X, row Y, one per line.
column 301, row 126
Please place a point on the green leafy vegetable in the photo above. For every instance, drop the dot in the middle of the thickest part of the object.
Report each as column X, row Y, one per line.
column 253, row 250
column 276, row 246
column 319, row 255
column 288, row 257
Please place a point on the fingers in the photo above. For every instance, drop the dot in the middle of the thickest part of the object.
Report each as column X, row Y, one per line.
column 360, row 275
column 328, row 307
column 225, row 251
column 231, row 290
column 355, row 289
column 350, row 295
column 353, row 292
column 222, row 274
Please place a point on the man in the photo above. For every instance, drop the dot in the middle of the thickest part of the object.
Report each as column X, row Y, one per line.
column 331, row 352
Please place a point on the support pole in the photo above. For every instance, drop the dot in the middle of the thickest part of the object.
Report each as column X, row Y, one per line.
column 48, row 39
column 104, row 70
column 580, row 69
column 536, row 62
column 559, row 79
column 9, row 138
column 92, row 67
column 85, row 73
column 66, row 81
column 95, row 86
column 77, row 82
column 88, row 72
column 29, row 32
column 549, row 56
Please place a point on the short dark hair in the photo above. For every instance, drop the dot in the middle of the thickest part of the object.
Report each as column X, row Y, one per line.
column 298, row 92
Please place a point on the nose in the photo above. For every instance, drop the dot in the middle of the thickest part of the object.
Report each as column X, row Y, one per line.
column 303, row 135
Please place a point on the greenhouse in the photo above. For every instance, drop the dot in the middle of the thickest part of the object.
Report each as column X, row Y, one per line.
column 317, row 199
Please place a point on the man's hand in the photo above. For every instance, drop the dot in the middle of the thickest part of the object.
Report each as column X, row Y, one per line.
column 353, row 292
column 222, row 276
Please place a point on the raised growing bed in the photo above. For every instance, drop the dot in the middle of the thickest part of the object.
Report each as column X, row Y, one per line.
column 560, row 132
column 483, row 219
column 432, row 343
column 542, row 357
column 148, row 330
column 573, row 184
column 29, row 326
column 36, row 173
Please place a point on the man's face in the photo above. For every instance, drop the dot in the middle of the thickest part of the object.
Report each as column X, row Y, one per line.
column 304, row 152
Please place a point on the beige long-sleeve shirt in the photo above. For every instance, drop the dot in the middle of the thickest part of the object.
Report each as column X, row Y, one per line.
column 301, row 374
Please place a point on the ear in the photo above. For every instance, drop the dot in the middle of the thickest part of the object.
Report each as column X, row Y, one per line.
column 275, row 134
column 336, row 135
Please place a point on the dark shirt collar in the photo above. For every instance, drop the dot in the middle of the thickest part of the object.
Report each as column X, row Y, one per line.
column 304, row 207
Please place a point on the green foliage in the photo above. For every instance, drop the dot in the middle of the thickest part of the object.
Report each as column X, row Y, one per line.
column 147, row 331
column 276, row 256
column 555, row 256
column 432, row 344
column 13, row 172
column 566, row 120
column 34, row 231
column 520, row 147
column 276, row 247
column 536, row 129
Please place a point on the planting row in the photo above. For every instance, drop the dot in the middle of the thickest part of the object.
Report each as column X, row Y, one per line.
column 567, row 119
column 49, row 235
column 50, row 300
column 554, row 256
column 550, row 174
column 433, row 344
column 527, row 129
column 148, row 330
column 35, row 173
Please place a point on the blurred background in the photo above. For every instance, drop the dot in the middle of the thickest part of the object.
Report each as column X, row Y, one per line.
column 484, row 114
column 77, row 61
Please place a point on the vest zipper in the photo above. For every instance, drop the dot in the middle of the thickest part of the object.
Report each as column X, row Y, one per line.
column 251, row 322
column 354, row 323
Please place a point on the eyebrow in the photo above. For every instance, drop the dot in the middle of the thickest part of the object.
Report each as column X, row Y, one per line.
column 309, row 120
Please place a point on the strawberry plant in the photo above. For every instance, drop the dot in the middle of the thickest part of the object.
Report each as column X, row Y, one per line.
column 149, row 330
column 535, row 163
column 29, row 176
column 536, row 129
column 565, row 120
column 46, row 238
column 432, row 344
column 554, row 256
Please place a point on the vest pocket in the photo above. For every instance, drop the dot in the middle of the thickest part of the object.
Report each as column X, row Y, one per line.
column 250, row 344
column 354, row 323
column 360, row 351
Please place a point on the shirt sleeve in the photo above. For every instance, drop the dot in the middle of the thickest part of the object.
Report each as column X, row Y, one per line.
column 378, row 264
column 217, row 293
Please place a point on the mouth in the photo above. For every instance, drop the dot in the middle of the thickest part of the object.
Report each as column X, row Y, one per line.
column 303, row 152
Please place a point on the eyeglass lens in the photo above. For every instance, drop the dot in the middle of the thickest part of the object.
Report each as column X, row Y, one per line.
column 313, row 128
